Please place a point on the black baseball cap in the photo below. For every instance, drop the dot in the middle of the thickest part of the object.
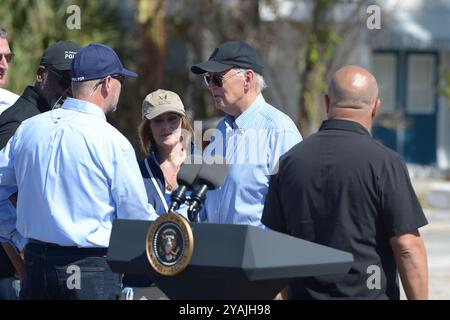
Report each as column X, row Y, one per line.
column 97, row 61
column 232, row 54
column 59, row 55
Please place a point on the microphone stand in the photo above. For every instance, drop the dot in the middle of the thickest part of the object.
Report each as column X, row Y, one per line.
column 198, row 197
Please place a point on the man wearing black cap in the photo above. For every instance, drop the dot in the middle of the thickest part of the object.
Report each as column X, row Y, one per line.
column 52, row 83
column 252, row 136
column 76, row 174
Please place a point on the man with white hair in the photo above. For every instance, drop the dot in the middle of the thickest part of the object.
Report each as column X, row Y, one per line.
column 252, row 136
column 7, row 98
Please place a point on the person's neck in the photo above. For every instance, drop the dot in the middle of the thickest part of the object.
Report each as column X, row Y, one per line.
column 244, row 103
column 174, row 155
column 359, row 116
column 94, row 99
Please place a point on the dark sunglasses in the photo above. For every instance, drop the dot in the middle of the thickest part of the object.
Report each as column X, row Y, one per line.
column 218, row 80
column 63, row 79
column 118, row 77
column 9, row 57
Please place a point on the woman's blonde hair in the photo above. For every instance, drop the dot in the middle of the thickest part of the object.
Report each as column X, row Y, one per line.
column 147, row 142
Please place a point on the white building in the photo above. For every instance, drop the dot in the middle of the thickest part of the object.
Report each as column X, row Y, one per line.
column 407, row 55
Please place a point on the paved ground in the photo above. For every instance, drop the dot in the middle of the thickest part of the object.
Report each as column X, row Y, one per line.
column 436, row 236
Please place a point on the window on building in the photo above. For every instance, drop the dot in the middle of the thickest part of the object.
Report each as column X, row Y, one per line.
column 421, row 83
column 384, row 70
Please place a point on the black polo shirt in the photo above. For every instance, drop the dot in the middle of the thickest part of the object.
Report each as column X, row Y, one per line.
column 341, row 188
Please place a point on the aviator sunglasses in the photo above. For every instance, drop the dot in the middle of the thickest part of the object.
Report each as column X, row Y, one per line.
column 218, row 80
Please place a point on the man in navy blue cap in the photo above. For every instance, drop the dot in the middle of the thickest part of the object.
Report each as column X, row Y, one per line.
column 77, row 174
column 252, row 136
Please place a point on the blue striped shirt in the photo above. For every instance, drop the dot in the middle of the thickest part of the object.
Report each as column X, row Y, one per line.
column 75, row 173
column 252, row 144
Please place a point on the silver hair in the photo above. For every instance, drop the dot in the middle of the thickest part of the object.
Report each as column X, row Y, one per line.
column 3, row 33
column 260, row 82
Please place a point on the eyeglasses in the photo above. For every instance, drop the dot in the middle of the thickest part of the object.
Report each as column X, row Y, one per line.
column 8, row 56
column 119, row 77
column 64, row 79
column 218, row 80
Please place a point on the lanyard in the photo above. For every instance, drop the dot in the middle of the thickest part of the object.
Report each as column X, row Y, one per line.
column 155, row 183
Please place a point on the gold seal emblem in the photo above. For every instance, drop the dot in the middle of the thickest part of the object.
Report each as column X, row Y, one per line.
column 169, row 244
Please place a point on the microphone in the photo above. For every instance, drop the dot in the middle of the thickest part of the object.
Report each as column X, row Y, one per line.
column 186, row 177
column 210, row 177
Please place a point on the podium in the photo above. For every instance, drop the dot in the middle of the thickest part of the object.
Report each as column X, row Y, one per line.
column 228, row 261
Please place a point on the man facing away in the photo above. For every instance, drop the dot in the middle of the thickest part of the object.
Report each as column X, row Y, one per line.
column 252, row 136
column 75, row 174
column 342, row 189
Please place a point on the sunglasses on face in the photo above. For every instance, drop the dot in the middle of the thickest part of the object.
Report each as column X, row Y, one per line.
column 63, row 79
column 217, row 79
column 118, row 77
column 8, row 56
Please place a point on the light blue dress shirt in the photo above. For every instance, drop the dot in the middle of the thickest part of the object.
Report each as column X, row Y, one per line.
column 252, row 144
column 75, row 174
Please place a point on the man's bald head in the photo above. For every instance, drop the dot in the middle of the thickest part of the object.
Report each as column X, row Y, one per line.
column 352, row 87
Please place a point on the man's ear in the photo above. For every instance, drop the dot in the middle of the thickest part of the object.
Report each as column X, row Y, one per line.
column 375, row 108
column 248, row 77
column 41, row 74
column 106, row 86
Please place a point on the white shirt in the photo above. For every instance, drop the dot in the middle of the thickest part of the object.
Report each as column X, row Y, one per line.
column 7, row 99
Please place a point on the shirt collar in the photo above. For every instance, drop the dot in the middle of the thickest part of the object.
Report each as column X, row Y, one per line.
column 345, row 125
column 83, row 106
column 245, row 119
column 30, row 94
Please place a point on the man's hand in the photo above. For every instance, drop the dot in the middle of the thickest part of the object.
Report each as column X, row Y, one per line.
column 16, row 259
column 282, row 295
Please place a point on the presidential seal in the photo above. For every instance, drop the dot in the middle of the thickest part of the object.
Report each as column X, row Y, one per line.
column 169, row 244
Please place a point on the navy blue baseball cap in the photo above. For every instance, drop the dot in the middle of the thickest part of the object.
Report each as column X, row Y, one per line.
column 97, row 61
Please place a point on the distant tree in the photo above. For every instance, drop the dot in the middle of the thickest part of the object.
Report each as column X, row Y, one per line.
column 319, row 49
column 444, row 90
column 34, row 25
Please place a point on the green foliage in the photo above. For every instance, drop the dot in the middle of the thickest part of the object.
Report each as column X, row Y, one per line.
column 33, row 25
column 445, row 90
column 322, row 41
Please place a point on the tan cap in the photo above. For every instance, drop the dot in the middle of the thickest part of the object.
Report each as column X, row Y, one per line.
column 161, row 101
